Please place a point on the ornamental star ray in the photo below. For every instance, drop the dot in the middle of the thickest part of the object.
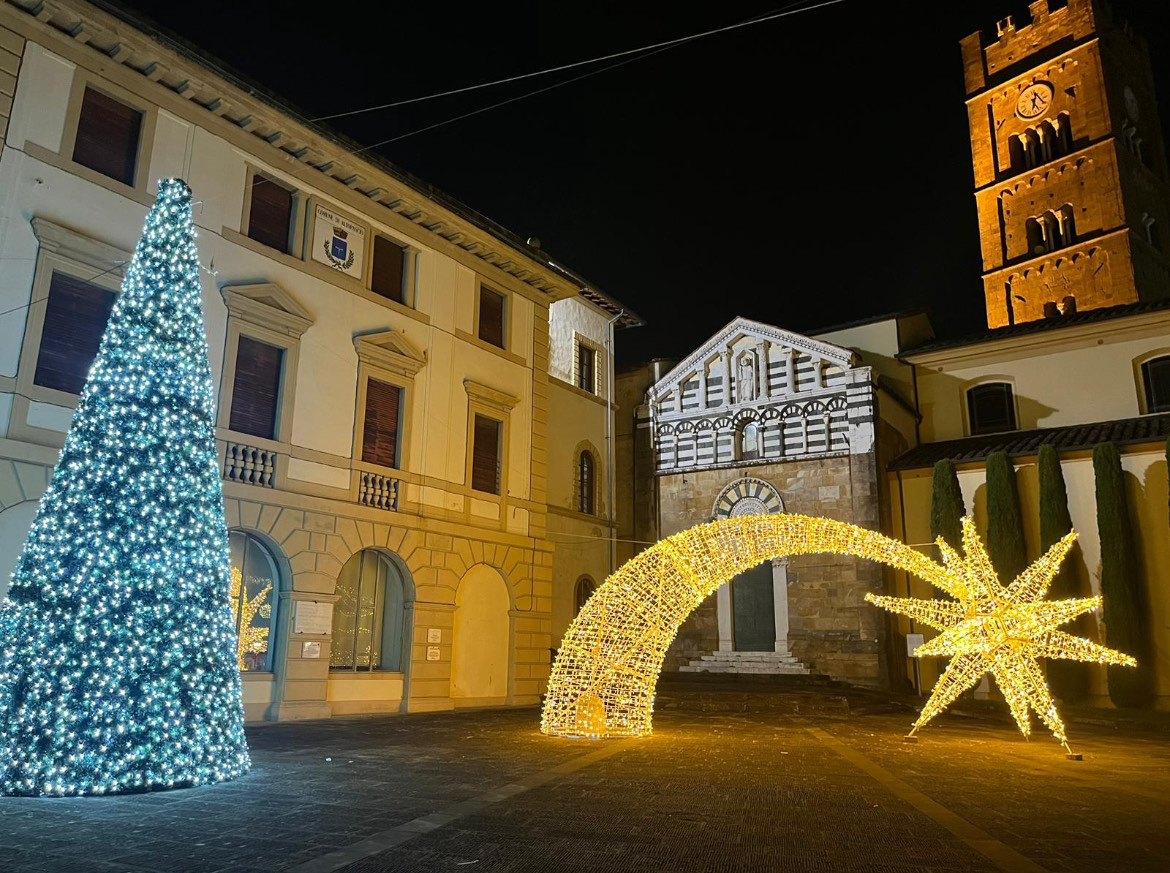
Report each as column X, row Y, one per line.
column 1003, row 630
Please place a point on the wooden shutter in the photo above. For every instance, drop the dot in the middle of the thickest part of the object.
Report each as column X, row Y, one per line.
column 485, row 455
column 380, row 432
column 107, row 136
column 586, row 360
column 75, row 320
column 388, row 270
column 585, row 483
column 491, row 317
column 256, row 389
column 990, row 408
column 270, row 216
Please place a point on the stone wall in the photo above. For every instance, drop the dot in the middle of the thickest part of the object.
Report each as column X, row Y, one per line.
column 831, row 628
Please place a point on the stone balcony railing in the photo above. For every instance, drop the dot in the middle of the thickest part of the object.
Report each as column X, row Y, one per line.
column 378, row 491
column 249, row 465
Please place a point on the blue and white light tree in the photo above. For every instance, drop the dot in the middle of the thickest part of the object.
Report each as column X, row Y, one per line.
column 118, row 664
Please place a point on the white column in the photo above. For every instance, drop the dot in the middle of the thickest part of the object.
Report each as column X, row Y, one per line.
column 790, row 369
column 726, row 356
column 703, row 385
column 819, row 372
column 780, row 599
column 765, row 377
column 723, row 610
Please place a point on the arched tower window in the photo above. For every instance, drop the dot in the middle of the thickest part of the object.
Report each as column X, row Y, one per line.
column 255, row 584
column 586, row 483
column 369, row 615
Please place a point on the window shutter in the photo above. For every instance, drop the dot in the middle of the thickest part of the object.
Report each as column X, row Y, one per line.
column 485, row 455
column 585, row 483
column 389, row 269
column 1157, row 379
column 270, row 216
column 491, row 317
column 586, row 362
column 256, row 389
column 380, row 432
column 107, row 136
column 990, row 408
column 75, row 320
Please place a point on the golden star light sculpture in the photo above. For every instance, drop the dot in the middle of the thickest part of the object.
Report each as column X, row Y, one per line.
column 1004, row 630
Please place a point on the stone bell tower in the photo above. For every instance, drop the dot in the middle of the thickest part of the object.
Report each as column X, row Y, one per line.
column 1071, row 180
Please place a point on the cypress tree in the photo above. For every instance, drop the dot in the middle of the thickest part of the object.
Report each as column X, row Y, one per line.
column 1005, row 524
column 1069, row 680
column 946, row 505
column 1121, row 586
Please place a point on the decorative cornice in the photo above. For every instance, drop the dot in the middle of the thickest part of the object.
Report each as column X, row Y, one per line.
column 69, row 243
column 114, row 41
column 266, row 304
column 493, row 397
column 390, row 350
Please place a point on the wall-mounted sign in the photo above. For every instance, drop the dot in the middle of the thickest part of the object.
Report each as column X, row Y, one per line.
column 313, row 617
column 432, row 653
column 434, row 635
column 338, row 242
column 311, row 650
column 913, row 641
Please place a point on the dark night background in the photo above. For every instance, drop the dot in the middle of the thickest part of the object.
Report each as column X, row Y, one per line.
column 805, row 171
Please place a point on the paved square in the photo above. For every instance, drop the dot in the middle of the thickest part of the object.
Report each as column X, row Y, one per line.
column 484, row 791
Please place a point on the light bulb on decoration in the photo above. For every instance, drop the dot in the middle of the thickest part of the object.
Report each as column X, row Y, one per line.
column 118, row 651
column 602, row 683
column 990, row 628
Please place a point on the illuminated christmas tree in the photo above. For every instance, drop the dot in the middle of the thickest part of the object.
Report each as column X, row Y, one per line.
column 118, row 659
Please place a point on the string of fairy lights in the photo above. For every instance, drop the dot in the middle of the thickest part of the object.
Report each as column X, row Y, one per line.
column 607, row 667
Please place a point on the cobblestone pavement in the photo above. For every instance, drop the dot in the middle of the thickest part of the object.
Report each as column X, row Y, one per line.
column 483, row 791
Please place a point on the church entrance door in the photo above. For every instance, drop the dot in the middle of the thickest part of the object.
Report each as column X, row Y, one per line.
column 754, row 610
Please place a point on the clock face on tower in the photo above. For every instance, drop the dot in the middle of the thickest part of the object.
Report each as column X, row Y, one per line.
column 1034, row 101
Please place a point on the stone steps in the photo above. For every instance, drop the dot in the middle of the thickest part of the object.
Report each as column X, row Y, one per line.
column 747, row 662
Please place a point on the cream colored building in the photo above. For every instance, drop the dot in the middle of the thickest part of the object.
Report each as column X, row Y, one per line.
column 406, row 390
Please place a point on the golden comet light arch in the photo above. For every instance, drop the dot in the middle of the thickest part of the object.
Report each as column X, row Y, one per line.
column 602, row 684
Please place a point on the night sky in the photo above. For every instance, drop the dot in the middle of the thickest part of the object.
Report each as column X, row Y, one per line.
column 805, row 171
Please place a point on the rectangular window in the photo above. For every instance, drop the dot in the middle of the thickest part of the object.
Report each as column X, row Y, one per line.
column 485, row 455
column 491, row 317
column 75, row 320
column 383, row 421
column 256, row 389
column 586, row 368
column 991, row 408
column 271, row 213
column 108, row 134
column 388, row 275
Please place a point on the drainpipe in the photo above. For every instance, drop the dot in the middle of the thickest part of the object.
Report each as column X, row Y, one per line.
column 611, row 509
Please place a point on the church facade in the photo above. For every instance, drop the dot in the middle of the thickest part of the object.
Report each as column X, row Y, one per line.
column 761, row 420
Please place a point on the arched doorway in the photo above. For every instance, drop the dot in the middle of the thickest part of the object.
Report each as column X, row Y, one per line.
column 753, row 608
column 481, row 646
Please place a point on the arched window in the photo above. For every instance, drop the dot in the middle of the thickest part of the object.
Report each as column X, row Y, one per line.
column 368, row 616
column 1156, row 378
column 991, row 408
column 582, row 593
column 1066, row 225
column 254, row 597
column 1035, row 233
column 585, row 483
column 749, row 442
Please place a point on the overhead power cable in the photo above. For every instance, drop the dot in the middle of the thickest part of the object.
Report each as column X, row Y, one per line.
column 646, row 52
column 782, row 13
